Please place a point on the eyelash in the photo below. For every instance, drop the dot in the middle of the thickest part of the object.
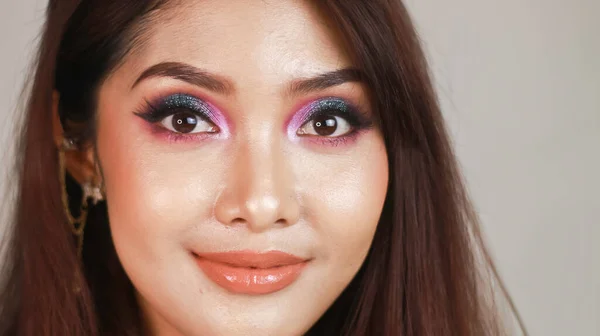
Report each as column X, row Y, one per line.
column 157, row 110
column 154, row 111
column 337, row 107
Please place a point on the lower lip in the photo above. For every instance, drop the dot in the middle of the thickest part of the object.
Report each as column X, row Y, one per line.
column 252, row 281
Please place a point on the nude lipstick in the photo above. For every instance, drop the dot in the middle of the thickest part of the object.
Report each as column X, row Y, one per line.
column 252, row 273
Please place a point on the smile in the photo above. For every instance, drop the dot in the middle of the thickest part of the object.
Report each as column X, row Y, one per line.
column 252, row 273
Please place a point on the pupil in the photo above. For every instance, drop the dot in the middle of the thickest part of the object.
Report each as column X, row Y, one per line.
column 184, row 122
column 325, row 125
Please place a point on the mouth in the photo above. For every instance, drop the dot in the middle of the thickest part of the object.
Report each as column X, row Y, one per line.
column 251, row 273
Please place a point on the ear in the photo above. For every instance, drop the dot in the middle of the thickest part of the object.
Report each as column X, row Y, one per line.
column 80, row 163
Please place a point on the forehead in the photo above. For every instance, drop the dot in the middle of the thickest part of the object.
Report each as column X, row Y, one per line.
column 270, row 40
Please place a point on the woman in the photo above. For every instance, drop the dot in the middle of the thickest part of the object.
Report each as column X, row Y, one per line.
column 240, row 168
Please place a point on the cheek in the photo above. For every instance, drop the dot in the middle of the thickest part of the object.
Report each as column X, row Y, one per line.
column 346, row 196
column 154, row 194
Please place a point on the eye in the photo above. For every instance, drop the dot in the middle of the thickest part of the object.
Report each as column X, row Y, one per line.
column 187, row 122
column 181, row 114
column 331, row 117
column 326, row 125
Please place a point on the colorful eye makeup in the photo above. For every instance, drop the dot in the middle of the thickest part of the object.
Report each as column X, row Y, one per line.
column 329, row 120
column 183, row 115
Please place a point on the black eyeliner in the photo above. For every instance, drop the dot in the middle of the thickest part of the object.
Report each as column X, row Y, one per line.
column 155, row 111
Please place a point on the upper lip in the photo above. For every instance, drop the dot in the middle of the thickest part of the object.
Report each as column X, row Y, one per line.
column 252, row 259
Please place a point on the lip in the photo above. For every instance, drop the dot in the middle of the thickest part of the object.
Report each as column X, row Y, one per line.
column 252, row 273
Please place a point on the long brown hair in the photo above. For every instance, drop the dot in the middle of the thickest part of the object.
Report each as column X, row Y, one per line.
column 427, row 273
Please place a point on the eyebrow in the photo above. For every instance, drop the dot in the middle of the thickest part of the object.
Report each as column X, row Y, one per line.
column 325, row 80
column 222, row 85
column 189, row 74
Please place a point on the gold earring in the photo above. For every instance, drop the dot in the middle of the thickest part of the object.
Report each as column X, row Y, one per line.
column 90, row 191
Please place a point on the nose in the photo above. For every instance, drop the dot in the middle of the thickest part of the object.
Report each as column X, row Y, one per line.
column 260, row 188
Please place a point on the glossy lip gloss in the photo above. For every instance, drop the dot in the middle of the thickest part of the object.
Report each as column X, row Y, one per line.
column 252, row 273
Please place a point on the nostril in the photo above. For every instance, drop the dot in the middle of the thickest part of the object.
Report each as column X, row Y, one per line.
column 281, row 221
column 238, row 220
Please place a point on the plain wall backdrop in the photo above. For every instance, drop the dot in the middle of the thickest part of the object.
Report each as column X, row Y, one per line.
column 519, row 83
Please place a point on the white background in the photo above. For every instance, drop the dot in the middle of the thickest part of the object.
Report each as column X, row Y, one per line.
column 519, row 82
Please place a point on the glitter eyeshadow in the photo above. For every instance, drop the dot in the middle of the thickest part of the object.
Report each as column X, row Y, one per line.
column 186, row 101
column 330, row 106
column 164, row 107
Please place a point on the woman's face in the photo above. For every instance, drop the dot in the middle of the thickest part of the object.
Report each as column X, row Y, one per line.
column 244, row 173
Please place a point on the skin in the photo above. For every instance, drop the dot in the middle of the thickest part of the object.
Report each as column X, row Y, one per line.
column 255, row 185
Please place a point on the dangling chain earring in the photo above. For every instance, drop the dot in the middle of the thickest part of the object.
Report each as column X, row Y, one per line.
column 90, row 191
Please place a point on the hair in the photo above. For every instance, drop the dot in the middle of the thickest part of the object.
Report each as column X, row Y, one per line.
column 427, row 273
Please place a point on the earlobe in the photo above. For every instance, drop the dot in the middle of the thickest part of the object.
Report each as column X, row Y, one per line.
column 79, row 161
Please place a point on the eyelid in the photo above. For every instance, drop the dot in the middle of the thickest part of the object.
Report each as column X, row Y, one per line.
column 158, row 109
column 357, row 116
column 335, row 106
